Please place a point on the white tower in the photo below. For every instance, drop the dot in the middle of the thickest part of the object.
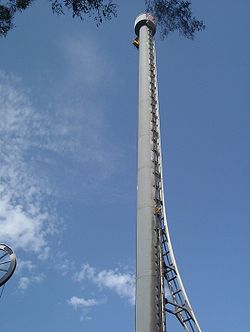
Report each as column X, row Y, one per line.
column 156, row 267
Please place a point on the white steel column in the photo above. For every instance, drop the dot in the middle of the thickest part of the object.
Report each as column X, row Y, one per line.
column 148, row 292
column 156, row 265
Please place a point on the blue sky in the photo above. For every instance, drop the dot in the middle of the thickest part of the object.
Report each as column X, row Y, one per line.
column 68, row 110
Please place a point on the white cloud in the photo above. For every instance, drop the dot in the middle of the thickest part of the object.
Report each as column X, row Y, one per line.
column 78, row 302
column 86, row 61
column 25, row 282
column 86, row 272
column 20, row 228
column 38, row 150
column 122, row 283
column 23, row 217
column 168, row 294
column 83, row 305
column 63, row 264
column 24, row 265
column 29, row 268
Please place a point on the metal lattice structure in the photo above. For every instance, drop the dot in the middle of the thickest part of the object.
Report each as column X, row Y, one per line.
column 157, row 272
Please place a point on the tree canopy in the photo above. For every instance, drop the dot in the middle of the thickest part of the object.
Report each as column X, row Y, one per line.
column 170, row 15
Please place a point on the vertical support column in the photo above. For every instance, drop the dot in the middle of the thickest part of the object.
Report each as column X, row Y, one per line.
column 148, row 277
column 156, row 265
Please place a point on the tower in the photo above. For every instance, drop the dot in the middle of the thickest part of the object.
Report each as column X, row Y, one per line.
column 156, row 269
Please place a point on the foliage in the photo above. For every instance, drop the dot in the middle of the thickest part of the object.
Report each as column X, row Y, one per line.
column 174, row 15
column 5, row 20
column 7, row 12
column 170, row 15
column 99, row 9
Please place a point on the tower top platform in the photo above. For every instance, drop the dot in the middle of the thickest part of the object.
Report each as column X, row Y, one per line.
column 145, row 19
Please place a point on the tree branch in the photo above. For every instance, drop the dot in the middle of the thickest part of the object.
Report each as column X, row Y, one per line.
column 172, row 15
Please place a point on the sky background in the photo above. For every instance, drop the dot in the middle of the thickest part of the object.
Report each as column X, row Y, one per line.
column 68, row 142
